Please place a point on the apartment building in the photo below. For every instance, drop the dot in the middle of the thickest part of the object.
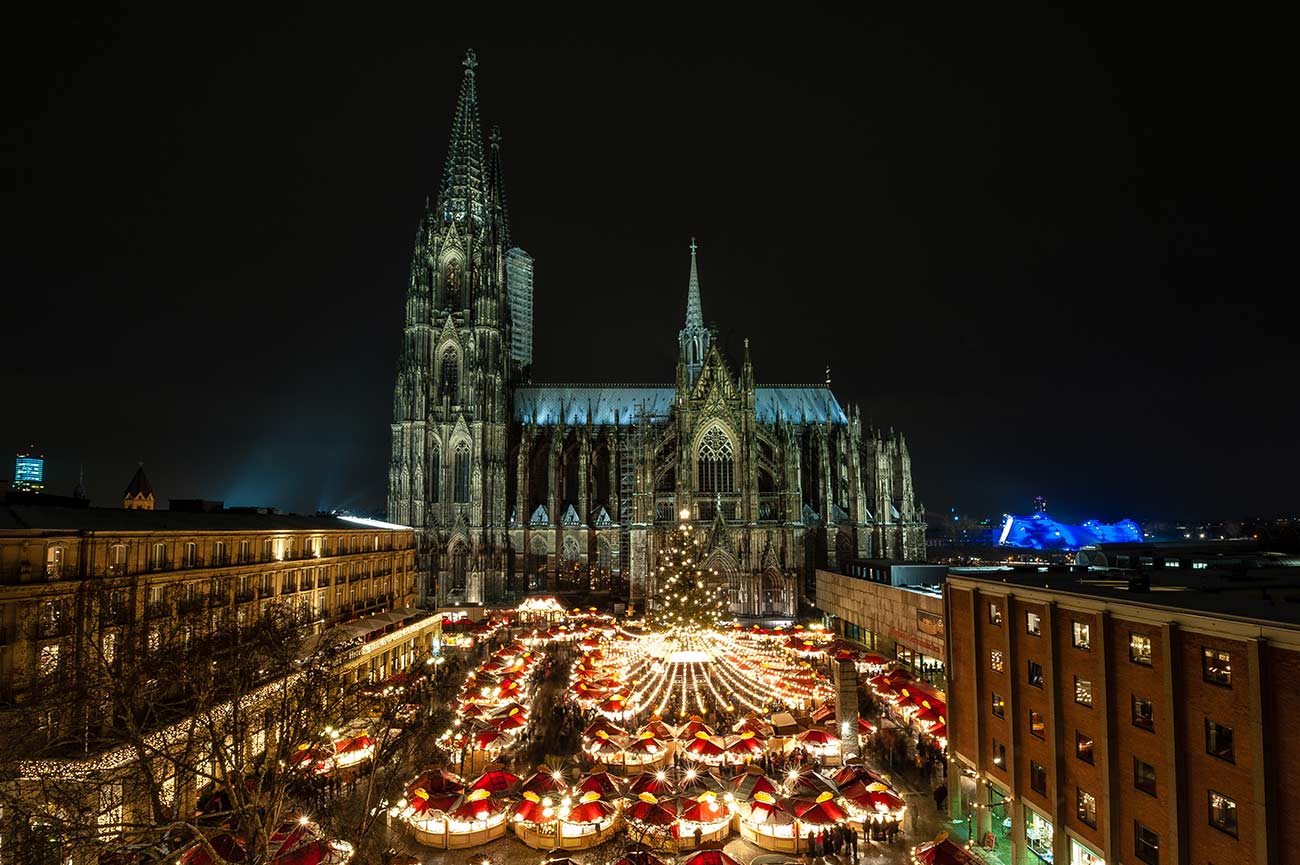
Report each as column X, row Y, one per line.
column 1104, row 717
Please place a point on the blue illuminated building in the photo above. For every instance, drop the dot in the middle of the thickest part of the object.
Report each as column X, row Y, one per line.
column 1038, row 531
column 29, row 472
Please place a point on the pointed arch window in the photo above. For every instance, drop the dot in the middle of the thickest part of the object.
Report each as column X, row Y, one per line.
column 449, row 375
column 462, row 473
column 459, row 566
column 435, row 473
column 715, row 462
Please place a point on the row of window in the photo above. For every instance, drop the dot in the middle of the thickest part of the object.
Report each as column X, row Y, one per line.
column 56, row 554
column 1216, row 664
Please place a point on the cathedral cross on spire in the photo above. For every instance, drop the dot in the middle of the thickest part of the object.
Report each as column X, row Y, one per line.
column 693, row 246
column 470, row 61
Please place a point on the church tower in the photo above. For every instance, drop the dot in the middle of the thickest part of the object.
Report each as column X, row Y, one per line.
column 451, row 402
column 693, row 339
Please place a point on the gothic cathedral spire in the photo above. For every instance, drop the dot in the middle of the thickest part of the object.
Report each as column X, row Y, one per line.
column 461, row 198
column 693, row 339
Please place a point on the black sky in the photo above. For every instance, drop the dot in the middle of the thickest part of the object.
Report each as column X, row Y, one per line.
column 1056, row 249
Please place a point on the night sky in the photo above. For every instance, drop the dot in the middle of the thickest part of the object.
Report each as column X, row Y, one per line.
column 1057, row 251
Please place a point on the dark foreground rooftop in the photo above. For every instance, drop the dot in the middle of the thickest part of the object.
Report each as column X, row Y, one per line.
column 1269, row 594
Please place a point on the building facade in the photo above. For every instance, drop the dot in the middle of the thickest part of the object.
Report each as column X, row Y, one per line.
column 513, row 484
column 895, row 610
column 29, row 471
column 73, row 582
column 89, row 592
column 1105, row 721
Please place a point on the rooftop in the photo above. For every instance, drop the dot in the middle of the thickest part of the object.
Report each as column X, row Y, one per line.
column 1267, row 594
column 28, row 518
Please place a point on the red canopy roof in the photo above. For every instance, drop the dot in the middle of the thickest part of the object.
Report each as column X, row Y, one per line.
column 709, row 857
column 591, row 812
column 498, row 781
column 820, row 812
column 945, row 853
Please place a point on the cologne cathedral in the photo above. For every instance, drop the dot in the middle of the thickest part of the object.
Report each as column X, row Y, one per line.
column 520, row 486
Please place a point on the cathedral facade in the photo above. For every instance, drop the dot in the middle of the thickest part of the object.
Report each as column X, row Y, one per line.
column 517, row 486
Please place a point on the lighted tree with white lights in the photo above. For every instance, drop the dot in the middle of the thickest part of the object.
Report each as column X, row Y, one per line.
column 684, row 598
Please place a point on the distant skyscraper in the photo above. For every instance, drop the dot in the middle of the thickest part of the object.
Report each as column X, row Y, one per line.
column 1040, row 504
column 29, row 471
column 519, row 285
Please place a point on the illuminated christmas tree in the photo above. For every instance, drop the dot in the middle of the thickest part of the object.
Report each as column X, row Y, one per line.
column 684, row 598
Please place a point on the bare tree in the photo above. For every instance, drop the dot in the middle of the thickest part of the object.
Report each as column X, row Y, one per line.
column 172, row 731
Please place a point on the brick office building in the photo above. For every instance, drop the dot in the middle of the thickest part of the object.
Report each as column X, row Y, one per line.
column 1129, row 719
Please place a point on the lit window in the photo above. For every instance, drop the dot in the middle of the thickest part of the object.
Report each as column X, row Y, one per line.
column 191, row 554
column 1082, row 636
column 1144, row 714
column 1216, row 667
column 1139, row 649
column 999, row 754
column 1033, row 624
column 1086, row 804
column 49, row 661
column 999, row 706
column 1218, row 741
column 1083, row 747
column 995, row 660
column 995, row 615
column 1144, row 777
column 1223, row 813
column 1146, row 844
column 1036, row 674
column 1037, row 725
column 1083, row 692
column 54, row 561
column 159, row 559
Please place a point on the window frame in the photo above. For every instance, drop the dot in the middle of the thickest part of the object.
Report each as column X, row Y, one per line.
column 1086, row 644
column 1225, row 657
column 999, row 750
column 1232, row 750
column 999, row 705
column 1134, row 656
column 1137, row 763
column 1139, row 844
column 1134, row 699
column 1042, row 735
column 1033, row 623
column 1037, row 770
column 1209, row 801
column 1079, row 738
column 996, row 661
column 995, row 614
column 1077, row 700
column 1029, row 674
column 1080, row 811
